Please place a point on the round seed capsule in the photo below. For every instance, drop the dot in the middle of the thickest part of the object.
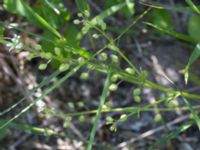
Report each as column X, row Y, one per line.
column 136, row 91
column 137, row 99
column 114, row 77
column 114, row 58
column 113, row 87
column 158, row 117
column 95, row 36
column 104, row 56
column 84, row 75
column 42, row 66
column 64, row 67
column 76, row 21
column 130, row 70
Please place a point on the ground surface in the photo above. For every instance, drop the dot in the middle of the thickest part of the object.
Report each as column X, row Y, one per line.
column 75, row 95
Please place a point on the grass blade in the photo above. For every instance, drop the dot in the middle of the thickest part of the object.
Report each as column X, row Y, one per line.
column 177, row 9
column 53, row 7
column 31, row 13
column 29, row 128
column 175, row 34
column 195, row 54
column 98, row 114
column 193, row 6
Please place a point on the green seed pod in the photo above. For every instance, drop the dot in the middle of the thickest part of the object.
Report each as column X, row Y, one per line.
column 80, row 104
column 109, row 120
column 67, row 122
column 57, row 51
column 137, row 92
column 137, row 99
column 113, row 128
column 80, row 15
column 95, row 36
column 113, row 87
column 104, row 56
column 172, row 103
column 84, row 75
column 71, row 105
column 130, row 71
column 76, row 21
column 114, row 77
column 64, row 67
column 38, row 47
column 123, row 118
column 81, row 118
column 114, row 58
column 87, row 13
column 42, row 66
column 48, row 55
column 30, row 57
column 158, row 117
column 81, row 60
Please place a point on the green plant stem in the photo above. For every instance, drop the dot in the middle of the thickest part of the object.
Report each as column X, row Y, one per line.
column 98, row 113
column 136, row 80
column 133, row 23
column 127, row 109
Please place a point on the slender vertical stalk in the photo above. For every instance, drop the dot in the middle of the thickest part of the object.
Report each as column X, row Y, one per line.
column 98, row 114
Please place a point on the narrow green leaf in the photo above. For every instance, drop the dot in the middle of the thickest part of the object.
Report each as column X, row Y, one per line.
column 175, row 34
column 127, row 11
column 53, row 7
column 15, row 7
column 130, row 5
column 162, row 19
column 175, row 8
column 98, row 114
column 193, row 6
column 28, row 128
column 83, row 52
column 193, row 27
column 195, row 54
column 108, row 12
column 30, row 12
column 22, row 8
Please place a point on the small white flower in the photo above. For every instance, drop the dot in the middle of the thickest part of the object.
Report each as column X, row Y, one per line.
column 40, row 105
column 15, row 43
